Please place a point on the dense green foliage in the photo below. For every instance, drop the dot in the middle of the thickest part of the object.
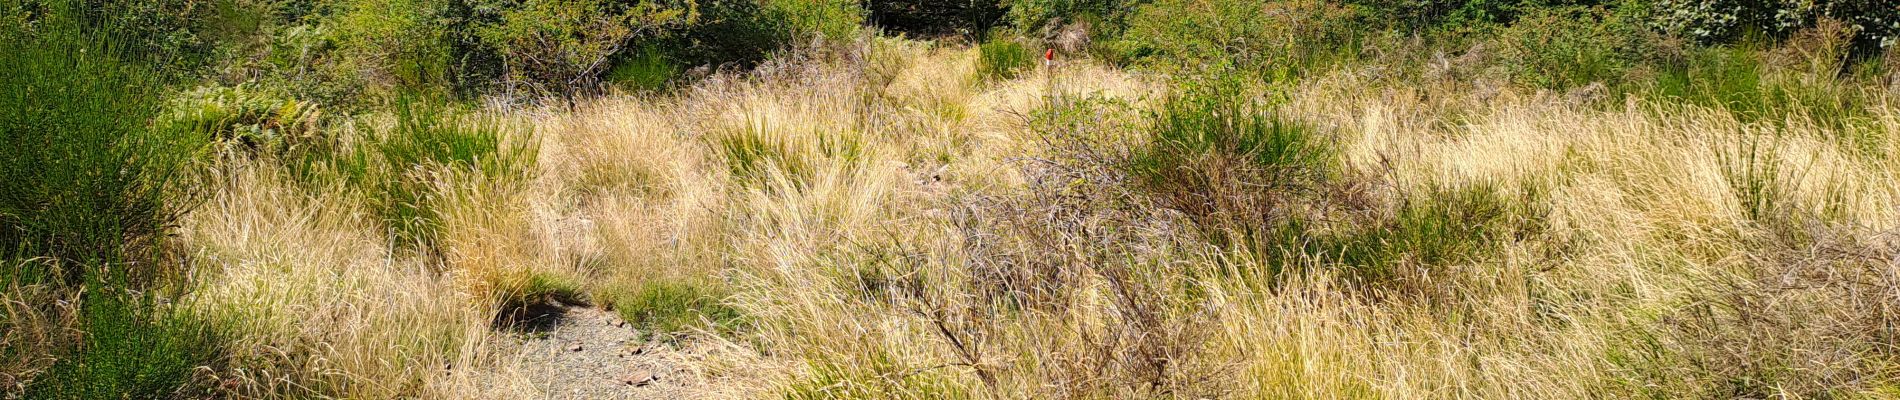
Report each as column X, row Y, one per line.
column 931, row 17
column 89, row 187
column 1876, row 23
column 86, row 179
column 130, row 350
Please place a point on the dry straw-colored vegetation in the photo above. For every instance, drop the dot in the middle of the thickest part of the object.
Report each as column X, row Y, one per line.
column 884, row 223
column 895, row 218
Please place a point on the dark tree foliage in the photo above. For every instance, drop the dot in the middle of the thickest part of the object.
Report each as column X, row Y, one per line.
column 1432, row 14
column 936, row 17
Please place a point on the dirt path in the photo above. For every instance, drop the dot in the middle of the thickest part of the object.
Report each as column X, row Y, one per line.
column 575, row 352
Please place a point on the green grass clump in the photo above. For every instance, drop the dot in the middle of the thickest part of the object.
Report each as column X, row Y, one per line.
column 396, row 168
column 750, row 154
column 1443, row 226
column 879, row 377
column 753, row 153
column 1002, row 59
column 1226, row 122
column 666, row 308
column 428, row 136
column 1735, row 79
column 644, row 71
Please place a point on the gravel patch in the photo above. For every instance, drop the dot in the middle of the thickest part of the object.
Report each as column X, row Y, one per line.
column 574, row 352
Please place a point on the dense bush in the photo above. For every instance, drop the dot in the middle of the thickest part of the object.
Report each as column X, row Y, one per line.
column 89, row 187
column 1461, row 14
column 1046, row 16
column 935, row 17
column 828, row 19
column 1269, row 40
column 130, row 349
column 352, row 53
column 727, row 32
column 400, row 43
column 1875, row 23
column 552, row 46
column 1573, row 47
column 84, row 178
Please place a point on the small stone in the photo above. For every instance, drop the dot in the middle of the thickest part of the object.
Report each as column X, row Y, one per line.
column 640, row 378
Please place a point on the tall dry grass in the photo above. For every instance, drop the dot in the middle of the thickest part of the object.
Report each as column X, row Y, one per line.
column 889, row 224
column 323, row 306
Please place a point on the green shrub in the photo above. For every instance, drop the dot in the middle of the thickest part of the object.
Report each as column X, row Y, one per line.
column 395, row 43
column 1002, row 59
column 936, row 17
column 88, row 182
column 84, row 178
column 1273, row 41
column 805, row 19
column 665, row 308
column 1873, row 22
column 1573, row 47
column 735, row 32
column 1454, row 15
column 1041, row 16
column 130, row 349
column 557, row 46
